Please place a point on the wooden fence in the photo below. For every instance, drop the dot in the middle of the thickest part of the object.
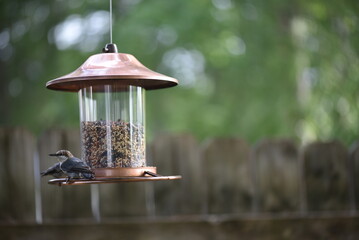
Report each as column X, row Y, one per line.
column 221, row 177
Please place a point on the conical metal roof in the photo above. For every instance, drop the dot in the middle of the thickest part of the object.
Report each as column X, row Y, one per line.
column 111, row 68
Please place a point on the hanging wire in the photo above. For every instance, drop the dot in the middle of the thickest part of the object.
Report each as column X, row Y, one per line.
column 110, row 21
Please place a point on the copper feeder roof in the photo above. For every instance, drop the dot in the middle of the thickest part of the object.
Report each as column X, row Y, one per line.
column 111, row 68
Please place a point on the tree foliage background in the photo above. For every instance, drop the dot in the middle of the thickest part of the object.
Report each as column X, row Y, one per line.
column 250, row 69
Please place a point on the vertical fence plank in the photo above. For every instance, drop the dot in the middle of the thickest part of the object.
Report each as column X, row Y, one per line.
column 77, row 198
column 150, row 186
column 354, row 176
column 227, row 176
column 326, row 176
column 276, row 175
column 178, row 155
column 4, row 198
column 190, row 167
column 51, row 196
column 18, row 174
column 119, row 200
column 166, row 199
column 66, row 202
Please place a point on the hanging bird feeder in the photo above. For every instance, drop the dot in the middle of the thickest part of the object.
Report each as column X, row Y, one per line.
column 111, row 88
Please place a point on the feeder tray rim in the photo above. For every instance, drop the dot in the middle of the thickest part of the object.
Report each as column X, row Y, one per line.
column 101, row 180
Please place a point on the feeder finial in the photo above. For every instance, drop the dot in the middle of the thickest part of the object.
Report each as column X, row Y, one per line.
column 110, row 48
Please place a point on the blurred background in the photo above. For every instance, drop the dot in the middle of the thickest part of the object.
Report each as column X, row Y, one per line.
column 246, row 68
column 263, row 126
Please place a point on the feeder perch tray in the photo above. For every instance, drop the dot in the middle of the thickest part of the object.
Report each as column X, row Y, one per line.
column 147, row 176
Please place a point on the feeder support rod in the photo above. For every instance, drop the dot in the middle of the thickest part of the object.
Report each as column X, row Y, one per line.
column 111, row 21
column 110, row 47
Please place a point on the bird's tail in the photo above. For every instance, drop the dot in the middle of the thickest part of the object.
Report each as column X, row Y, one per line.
column 44, row 173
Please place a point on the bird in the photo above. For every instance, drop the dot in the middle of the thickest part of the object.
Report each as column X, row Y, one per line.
column 72, row 167
column 54, row 171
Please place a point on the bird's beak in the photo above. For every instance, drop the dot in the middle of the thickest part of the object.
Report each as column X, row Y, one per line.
column 54, row 154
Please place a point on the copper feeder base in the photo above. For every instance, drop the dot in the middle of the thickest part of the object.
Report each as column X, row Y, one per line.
column 116, row 175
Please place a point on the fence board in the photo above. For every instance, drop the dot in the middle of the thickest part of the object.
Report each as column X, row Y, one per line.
column 77, row 198
column 18, row 174
column 227, row 176
column 120, row 200
column 276, row 175
column 67, row 202
column 4, row 186
column 52, row 196
column 354, row 176
column 178, row 155
column 326, row 176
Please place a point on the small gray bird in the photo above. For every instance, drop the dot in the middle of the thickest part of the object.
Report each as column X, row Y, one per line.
column 54, row 171
column 73, row 167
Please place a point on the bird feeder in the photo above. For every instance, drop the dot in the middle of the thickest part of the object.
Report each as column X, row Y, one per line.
column 111, row 87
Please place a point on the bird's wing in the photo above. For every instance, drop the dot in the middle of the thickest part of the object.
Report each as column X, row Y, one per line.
column 52, row 170
column 75, row 165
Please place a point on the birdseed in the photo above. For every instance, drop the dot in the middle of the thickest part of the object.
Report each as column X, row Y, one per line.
column 112, row 144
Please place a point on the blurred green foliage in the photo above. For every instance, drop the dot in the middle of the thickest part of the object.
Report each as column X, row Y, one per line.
column 251, row 69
